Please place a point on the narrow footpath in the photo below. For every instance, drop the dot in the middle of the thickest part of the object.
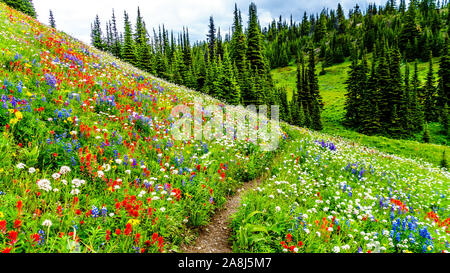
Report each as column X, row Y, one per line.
column 214, row 238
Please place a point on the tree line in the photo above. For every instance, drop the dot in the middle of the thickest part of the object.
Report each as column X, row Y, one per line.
column 234, row 68
column 25, row 6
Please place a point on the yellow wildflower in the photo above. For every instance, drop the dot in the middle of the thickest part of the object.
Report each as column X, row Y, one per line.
column 19, row 115
column 1, row 215
column 13, row 121
column 134, row 222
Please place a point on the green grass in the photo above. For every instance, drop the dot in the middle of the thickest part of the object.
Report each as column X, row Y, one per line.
column 333, row 89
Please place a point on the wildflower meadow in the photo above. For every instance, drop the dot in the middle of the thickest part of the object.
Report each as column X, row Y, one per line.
column 89, row 164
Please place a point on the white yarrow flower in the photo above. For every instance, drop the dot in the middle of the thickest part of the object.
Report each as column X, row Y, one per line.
column 47, row 223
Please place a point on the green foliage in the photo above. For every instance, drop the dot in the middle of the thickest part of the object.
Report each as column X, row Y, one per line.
column 25, row 6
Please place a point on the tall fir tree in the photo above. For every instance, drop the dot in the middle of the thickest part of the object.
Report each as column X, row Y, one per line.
column 116, row 43
column 430, row 94
column 228, row 82
column 353, row 101
column 255, row 43
column 370, row 123
column 417, row 115
column 238, row 43
column 212, row 39
column 444, row 82
column 313, row 80
column 128, row 50
column 52, row 20
column 97, row 35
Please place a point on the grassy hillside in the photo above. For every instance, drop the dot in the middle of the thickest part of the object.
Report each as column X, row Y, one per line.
column 328, row 195
column 89, row 163
column 333, row 89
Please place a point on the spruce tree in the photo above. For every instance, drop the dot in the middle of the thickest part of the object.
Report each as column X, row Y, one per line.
column 417, row 115
column 444, row 81
column 409, row 32
column 52, row 20
column 355, row 84
column 369, row 110
column 230, row 88
column 398, row 100
column 238, row 43
column 96, row 34
column 430, row 94
column 211, row 39
column 116, row 43
column 444, row 119
column 255, row 43
column 144, row 58
column 341, row 19
column 383, row 85
column 313, row 80
column 406, row 106
column 128, row 50
column 140, row 31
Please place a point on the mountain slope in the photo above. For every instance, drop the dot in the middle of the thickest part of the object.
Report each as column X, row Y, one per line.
column 89, row 161
column 333, row 89
column 90, row 164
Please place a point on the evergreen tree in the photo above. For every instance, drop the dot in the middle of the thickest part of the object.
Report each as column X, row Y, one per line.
column 430, row 94
column 383, row 85
column 313, row 80
column 144, row 58
column 370, row 123
column 128, row 50
column 341, row 19
column 108, row 39
column 255, row 43
column 52, row 20
column 211, row 39
column 406, row 106
column 398, row 100
column 444, row 81
column 96, row 34
column 116, row 47
column 356, row 84
column 444, row 119
column 305, row 28
column 230, row 87
column 238, row 43
column 417, row 115
column 409, row 32
column 25, row 6
column 140, row 32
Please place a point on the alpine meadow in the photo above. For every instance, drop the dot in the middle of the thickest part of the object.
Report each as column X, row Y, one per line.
column 321, row 133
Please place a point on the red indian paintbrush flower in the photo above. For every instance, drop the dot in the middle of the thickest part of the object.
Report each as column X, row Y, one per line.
column 3, row 226
column 12, row 235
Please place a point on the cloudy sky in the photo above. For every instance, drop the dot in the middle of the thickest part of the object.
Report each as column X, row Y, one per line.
column 75, row 17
